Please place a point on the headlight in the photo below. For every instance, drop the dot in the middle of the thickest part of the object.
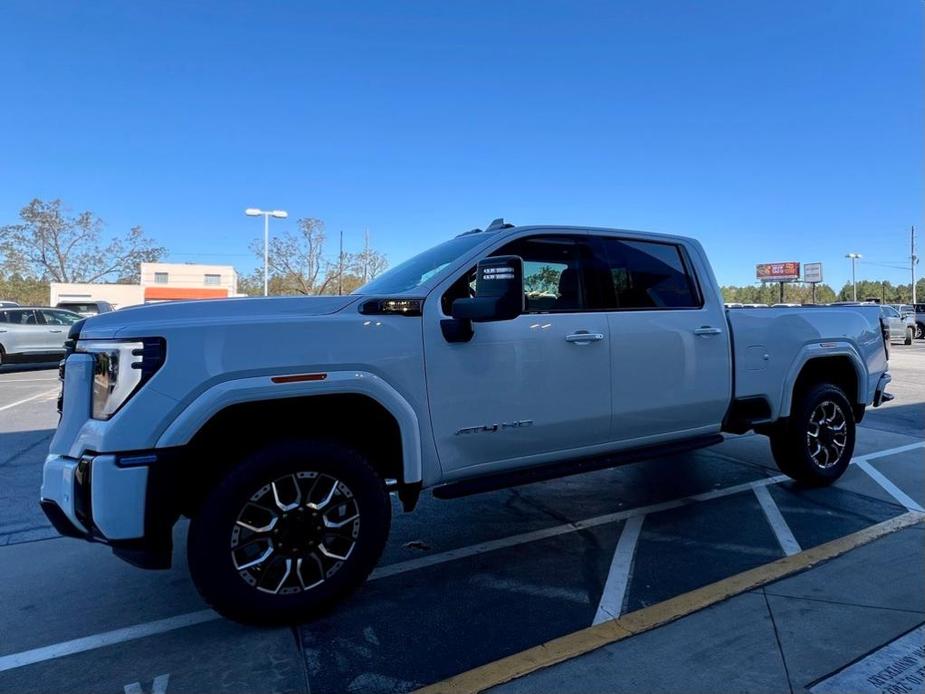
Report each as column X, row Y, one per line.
column 120, row 368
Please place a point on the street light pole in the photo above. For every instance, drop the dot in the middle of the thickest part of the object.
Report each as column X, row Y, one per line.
column 278, row 214
column 854, row 283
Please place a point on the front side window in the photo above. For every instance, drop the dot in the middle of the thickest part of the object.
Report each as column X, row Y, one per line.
column 59, row 318
column 552, row 273
column 554, row 268
column 160, row 278
column 646, row 275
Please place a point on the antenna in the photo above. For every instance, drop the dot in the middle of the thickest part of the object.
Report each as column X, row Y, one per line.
column 498, row 223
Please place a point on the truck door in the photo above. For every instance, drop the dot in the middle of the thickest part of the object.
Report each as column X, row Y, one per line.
column 669, row 343
column 525, row 388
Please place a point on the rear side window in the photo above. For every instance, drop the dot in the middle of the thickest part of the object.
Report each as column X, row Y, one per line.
column 79, row 308
column 646, row 275
column 21, row 317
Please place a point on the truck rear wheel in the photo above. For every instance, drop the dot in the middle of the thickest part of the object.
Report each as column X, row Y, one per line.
column 815, row 444
column 291, row 530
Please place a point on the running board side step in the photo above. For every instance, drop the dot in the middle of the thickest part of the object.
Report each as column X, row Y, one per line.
column 558, row 469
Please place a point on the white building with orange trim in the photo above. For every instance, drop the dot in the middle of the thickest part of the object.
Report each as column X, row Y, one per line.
column 159, row 282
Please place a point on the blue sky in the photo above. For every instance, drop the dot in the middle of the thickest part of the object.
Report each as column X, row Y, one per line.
column 770, row 130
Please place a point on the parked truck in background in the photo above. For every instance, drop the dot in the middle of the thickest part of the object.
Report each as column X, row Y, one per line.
column 280, row 426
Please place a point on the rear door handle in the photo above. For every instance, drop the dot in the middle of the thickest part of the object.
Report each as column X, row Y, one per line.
column 707, row 330
column 56, row 331
column 583, row 337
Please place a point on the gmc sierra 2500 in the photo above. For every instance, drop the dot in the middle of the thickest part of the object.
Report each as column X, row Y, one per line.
column 280, row 426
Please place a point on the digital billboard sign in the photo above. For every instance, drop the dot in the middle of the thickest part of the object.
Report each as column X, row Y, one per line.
column 778, row 272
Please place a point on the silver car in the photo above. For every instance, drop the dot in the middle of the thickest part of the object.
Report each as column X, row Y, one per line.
column 33, row 332
column 900, row 329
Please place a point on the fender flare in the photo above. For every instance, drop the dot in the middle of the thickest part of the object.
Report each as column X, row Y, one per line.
column 256, row 388
column 823, row 351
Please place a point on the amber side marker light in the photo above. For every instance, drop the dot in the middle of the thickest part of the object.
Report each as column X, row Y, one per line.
column 296, row 378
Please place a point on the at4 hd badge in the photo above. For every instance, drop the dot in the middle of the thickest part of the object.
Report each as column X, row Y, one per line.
column 519, row 424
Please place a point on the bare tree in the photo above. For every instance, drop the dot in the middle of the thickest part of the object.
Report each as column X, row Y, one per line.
column 297, row 258
column 368, row 263
column 50, row 244
column 298, row 264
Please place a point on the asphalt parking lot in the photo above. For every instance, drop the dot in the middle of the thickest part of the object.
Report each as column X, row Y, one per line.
column 462, row 583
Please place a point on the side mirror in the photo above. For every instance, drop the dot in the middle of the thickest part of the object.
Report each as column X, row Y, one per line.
column 499, row 291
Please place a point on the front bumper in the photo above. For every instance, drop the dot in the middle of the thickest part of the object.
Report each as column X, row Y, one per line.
column 119, row 501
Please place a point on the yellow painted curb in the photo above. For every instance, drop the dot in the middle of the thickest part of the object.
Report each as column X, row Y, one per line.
column 586, row 640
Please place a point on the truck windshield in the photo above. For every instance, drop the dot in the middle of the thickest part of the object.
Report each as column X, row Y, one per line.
column 414, row 272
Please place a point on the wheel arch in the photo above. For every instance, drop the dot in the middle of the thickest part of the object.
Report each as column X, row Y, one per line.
column 843, row 369
column 355, row 407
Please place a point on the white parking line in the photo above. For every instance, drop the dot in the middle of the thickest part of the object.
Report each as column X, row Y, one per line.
column 29, row 399
column 27, row 380
column 618, row 578
column 889, row 487
column 107, row 638
column 782, row 531
column 137, row 631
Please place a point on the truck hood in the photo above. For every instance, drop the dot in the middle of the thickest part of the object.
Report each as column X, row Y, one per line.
column 148, row 320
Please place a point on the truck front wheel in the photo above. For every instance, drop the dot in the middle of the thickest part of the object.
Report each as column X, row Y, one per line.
column 815, row 444
column 291, row 530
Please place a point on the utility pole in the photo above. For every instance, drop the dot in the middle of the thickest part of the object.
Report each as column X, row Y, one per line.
column 340, row 266
column 913, row 260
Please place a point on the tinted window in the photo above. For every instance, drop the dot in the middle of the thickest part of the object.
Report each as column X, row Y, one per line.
column 552, row 274
column 646, row 275
column 21, row 317
column 80, row 308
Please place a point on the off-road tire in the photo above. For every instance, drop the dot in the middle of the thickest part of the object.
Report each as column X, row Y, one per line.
column 807, row 446
column 274, row 476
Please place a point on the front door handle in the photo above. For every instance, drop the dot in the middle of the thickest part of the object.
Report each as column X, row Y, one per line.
column 56, row 331
column 583, row 337
column 707, row 330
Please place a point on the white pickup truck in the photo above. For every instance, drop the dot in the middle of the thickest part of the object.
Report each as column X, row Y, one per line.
column 280, row 426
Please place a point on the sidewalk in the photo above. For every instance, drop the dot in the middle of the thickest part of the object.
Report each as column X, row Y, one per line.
column 784, row 637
